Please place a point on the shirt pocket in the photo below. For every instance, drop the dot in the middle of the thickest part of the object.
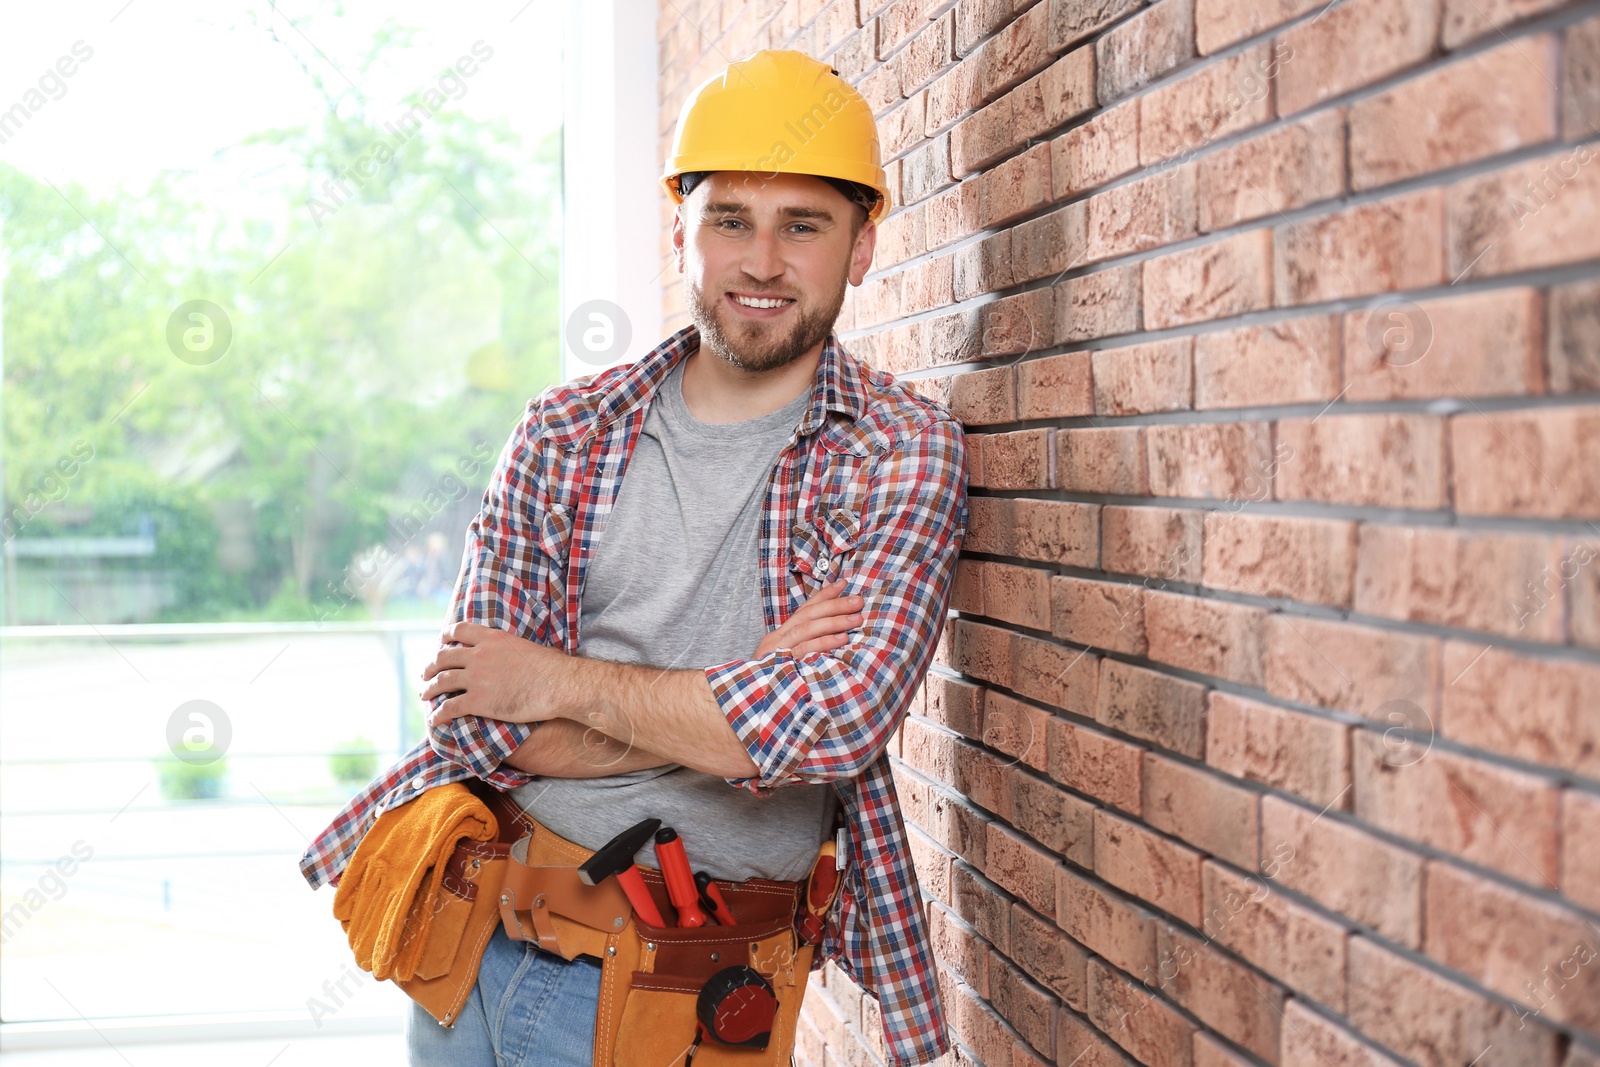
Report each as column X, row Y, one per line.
column 555, row 545
column 817, row 549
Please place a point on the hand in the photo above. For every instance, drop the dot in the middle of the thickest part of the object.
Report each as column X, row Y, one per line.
column 820, row 624
column 491, row 673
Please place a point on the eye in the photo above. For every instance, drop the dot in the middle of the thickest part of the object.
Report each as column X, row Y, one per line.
column 723, row 223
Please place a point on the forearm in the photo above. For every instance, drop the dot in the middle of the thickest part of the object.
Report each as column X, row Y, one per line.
column 672, row 714
column 562, row 748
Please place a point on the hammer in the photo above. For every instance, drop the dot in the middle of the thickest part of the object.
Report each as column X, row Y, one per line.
column 615, row 857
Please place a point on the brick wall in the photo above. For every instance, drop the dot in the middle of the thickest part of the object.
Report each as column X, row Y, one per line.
column 1268, row 730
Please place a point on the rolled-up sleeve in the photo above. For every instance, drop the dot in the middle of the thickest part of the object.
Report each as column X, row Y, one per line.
column 501, row 584
column 829, row 715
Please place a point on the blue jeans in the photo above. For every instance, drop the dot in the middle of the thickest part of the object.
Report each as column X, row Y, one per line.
column 529, row 1007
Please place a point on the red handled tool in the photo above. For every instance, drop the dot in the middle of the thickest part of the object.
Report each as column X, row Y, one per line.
column 711, row 899
column 679, row 878
column 616, row 858
column 821, row 887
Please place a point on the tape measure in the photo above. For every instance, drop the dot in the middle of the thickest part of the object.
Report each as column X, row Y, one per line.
column 736, row 1007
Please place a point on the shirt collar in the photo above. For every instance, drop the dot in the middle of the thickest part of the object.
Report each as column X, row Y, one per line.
column 842, row 382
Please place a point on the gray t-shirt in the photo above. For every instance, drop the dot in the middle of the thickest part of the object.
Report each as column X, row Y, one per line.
column 674, row 583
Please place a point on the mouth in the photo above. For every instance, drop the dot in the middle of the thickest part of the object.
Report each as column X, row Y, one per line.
column 760, row 307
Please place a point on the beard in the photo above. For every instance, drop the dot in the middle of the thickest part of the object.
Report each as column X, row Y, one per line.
column 756, row 346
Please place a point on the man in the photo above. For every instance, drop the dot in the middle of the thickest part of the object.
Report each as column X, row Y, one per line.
column 773, row 483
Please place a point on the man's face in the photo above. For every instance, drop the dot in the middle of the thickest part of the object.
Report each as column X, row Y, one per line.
column 742, row 237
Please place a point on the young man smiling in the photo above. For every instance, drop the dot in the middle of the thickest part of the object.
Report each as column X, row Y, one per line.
column 779, row 496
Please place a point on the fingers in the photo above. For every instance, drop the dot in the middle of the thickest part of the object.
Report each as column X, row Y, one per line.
column 828, row 601
column 446, row 682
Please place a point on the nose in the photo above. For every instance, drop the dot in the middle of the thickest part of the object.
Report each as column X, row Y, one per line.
column 763, row 260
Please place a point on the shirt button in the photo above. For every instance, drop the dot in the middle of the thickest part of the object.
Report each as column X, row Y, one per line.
column 822, row 568
column 416, row 783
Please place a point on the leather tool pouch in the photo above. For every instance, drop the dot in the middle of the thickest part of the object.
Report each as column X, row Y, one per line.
column 651, row 976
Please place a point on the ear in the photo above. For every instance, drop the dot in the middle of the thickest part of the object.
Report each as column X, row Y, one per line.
column 677, row 236
column 861, row 255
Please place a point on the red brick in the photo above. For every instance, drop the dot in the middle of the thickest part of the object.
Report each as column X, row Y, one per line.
column 1540, row 213
column 1293, row 361
column 983, row 778
column 1222, row 98
column 952, row 214
column 983, row 267
column 1380, row 460
column 1055, row 387
column 1015, row 728
column 1162, row 544
column 1017, row 187
column 1434, row 1021
column 926, row 170
column 1019, row 595
column 1055, row 818
column 1101, row 150
column 1352, row 45
column 1574, row 345
column 1019, row 460
column 1467, row 19
column 1486, row 814
column 982, row 138
column 881, row 87
column 982, row 651
column 1219, row 23
column 1581, row 576
column 905, row 127
column 1140, row 215
column 958, row 946
column 1053, row 674
column 1224, row 995
column 1022, row 868
column 1022, row 1004
column 1154, row 707
column 1373, row 248
column 1527, row 463
column 1080, row 1044
column 1143, row 378
column 1015, row 325
column 1214, row 281
column 1147, row 1028
column 1494, row 102
column 1580, row 863
column 984, row 397
column 900, row 237
column 1537, row 710
column 1049, row 957
column 1453, row 577
column 1143, row 48
column 1309, row 560
column 1580, row 80
column 1206, row 636
column 1101, row 461
column 1486, row 344
column 1211, row 1052
column 1289, row 750
column 982, row 904
column 976, row 21
column 931, row 751
column 1049, row 245
column 1202, row 809
column 1346, row 869
column 1015, row 53
column 1292, row 943
column 1104, row 923
column 1144, row 864
column 1288, row 168
column 1515, row 944
column 1101, row 304
column 990, row 1039
column 1067, row 87
column 1353, row 668
column 1091, row 762
column 1220, row 460
column 931, row 862
column 1309, row 1040
column 949, row 338
column 929, row 52
column 1073, row 20
column 1108, row 615
column 1055, row 531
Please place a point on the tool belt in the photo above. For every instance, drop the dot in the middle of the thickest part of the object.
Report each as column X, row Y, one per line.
column 652, row 976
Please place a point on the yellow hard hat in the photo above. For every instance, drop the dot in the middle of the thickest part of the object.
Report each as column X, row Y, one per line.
column 779, row 111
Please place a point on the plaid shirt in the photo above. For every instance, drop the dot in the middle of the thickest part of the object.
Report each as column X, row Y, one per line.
column 871, row 488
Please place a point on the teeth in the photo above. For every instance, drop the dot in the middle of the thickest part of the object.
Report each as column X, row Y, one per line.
column 753, row 303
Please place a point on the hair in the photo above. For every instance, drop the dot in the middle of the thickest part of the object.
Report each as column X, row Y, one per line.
column 863, row 196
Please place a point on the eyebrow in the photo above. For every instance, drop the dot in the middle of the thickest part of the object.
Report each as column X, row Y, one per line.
column 721, row 207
